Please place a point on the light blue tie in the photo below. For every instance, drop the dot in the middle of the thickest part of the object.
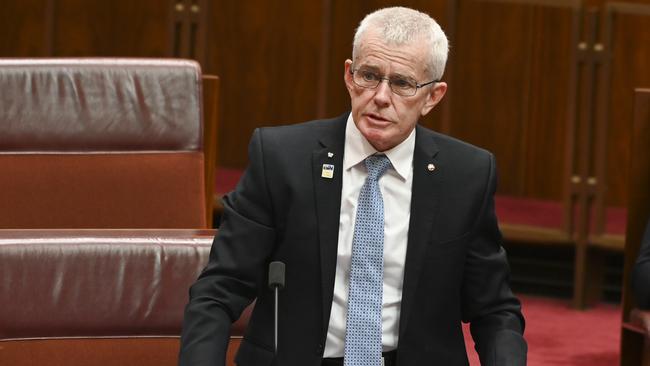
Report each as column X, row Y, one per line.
column 363, row 328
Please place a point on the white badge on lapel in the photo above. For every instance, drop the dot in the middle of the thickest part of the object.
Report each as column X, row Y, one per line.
column 328, row 171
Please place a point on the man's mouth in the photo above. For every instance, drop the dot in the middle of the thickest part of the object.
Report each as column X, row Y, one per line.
column 376, row 118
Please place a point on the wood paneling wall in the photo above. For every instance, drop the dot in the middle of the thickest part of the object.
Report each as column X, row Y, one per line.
column 513, row 86
column 25, row 27
column 268, row 56
column 283, row 64
column 70, row 28
column 625, row 39
column 545, row 84
column 98, row 28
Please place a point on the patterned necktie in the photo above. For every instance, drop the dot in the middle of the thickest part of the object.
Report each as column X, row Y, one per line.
column 363, row 328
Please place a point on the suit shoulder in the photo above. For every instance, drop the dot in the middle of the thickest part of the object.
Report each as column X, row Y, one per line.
column 304, row 129
column 459, row 148
column 299, row 139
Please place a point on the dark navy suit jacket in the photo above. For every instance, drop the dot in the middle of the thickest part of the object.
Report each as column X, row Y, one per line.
column 641, row 274
column 283, row 210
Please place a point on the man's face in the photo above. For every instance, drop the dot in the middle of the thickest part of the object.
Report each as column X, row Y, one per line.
column 384, row 118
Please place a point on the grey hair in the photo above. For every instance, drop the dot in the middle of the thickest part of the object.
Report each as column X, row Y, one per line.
column 401, row 26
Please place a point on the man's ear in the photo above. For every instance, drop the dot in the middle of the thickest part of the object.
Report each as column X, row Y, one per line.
column 347, row 75
column 435, row 96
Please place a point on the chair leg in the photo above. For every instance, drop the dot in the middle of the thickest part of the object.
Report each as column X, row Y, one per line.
column 634, row 349
column 588, row 277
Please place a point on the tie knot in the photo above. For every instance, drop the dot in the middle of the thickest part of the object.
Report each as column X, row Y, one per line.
column 377, row 166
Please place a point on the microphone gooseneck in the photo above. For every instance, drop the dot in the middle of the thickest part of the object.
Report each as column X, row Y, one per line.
column 276, row 283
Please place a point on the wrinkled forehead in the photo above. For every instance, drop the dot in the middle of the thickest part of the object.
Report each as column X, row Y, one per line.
column 409, row 58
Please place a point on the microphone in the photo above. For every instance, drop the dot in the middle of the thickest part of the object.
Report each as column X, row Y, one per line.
column 276, row 283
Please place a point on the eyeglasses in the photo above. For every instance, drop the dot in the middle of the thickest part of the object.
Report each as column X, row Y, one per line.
column 399, row 85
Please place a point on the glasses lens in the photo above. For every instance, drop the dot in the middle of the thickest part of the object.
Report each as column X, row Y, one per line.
column 403, row 86
column 366, row 78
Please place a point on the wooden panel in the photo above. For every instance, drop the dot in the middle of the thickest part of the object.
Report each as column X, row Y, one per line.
column 268, row 59
column 627, row 45
column 188, row 26
column 112, row 28
column 512, row 88
column 210, row 138
column 601, row 3
column 23, row 28
column 487, row 81
column 143, row 351
column 549, row 113
column 345, row 18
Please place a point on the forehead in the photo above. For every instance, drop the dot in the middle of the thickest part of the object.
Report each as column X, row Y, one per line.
column 407, row 59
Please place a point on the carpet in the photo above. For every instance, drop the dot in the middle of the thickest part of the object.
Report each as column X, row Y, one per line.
column 560, row 336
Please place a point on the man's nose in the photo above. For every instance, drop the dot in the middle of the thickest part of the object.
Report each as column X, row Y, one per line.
column 383, row 92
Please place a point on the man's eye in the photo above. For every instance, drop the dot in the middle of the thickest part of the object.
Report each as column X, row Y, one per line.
column 401, row 83
column 369, row 76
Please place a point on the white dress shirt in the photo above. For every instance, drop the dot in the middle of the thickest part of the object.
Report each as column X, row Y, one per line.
column 395, row 186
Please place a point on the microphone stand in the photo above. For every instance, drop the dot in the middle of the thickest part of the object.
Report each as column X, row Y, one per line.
column 275, row 323
column 276, row 282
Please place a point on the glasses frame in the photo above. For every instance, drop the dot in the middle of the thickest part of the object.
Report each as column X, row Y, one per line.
column 418, row 86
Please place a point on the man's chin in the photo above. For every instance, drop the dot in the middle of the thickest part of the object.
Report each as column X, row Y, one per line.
column 377, row 140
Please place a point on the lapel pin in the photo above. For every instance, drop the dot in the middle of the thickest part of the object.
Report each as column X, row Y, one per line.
column 431, row 167
column 328, row 171
column 329, row 154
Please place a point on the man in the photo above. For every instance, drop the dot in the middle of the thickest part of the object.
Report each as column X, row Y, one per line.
column 641, row 274
column 387, row 229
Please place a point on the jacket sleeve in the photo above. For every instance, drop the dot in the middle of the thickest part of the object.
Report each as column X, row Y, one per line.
column 641, row 274
column 236, row 266
column 494, row 313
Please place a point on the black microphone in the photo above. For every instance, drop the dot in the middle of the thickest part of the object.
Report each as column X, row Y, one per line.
column 276, row 283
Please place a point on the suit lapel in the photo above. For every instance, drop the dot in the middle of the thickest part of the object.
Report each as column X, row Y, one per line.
column 425, row 196
column 327, row 193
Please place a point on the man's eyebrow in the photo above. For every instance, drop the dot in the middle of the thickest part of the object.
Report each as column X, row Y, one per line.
column 376, row 68
column 369, row 67
column 401, row 76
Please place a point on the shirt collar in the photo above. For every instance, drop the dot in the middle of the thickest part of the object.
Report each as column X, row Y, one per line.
column 357, row 149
